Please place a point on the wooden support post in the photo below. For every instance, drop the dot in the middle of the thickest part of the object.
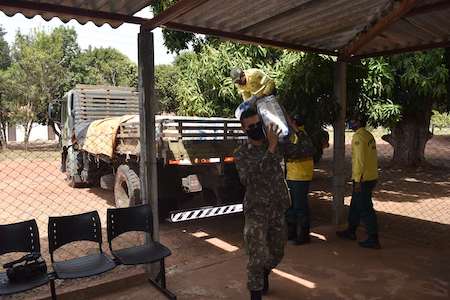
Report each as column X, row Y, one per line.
column 340, row 90
column 147, row 110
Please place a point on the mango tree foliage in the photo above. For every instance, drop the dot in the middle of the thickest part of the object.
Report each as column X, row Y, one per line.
column 204, row 87
column 166, row 81
column 400, row 93
column 175, row 41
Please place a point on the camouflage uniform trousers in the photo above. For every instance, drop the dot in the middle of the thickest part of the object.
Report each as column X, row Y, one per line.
column 265, row 237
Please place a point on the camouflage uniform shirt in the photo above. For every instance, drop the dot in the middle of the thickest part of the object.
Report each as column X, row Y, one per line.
column 261, row 173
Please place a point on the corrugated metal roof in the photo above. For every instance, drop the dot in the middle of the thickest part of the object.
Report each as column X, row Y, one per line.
column 322, row 25
column 350, row 27
column 62, row 9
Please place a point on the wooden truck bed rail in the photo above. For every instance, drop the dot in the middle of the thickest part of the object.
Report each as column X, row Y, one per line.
column 94, row 104
column 181, row 137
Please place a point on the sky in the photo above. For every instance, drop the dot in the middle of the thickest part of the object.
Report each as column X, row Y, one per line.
column 124, row 38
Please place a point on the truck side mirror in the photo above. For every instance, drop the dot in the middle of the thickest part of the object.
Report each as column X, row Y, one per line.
column 54, row 111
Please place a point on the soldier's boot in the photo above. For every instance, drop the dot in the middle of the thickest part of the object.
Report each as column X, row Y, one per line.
column 266, row 282
column 371, row 242
column 291, row 231
column 255, row 295
column 306, row 232
column 302, row 232
column 347, row 234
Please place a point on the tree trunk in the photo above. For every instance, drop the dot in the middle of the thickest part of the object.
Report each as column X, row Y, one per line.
column 409, row 138
column 28, row 127
column 3, row 142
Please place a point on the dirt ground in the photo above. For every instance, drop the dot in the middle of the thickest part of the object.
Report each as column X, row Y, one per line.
column 413, row 210
column 327, row 269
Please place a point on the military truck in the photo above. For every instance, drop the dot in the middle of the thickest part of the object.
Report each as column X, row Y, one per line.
column 100, row 146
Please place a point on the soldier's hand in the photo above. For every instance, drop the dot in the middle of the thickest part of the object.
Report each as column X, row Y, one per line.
column 272, row 137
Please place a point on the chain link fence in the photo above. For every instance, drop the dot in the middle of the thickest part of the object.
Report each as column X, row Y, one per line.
column 32, row 186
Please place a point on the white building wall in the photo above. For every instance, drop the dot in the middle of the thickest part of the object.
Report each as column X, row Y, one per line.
column 39, row 133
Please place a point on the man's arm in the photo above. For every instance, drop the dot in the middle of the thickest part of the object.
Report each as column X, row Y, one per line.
column 244, row 93
column 299, row 148
column 358, row 157
column 267, row 85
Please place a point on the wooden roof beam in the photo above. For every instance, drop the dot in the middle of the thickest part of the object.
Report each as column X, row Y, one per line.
column 429, row 8
column 445, row 44
column 364, row 38
column 178, row 9
column 42, row 7
column 246, row 39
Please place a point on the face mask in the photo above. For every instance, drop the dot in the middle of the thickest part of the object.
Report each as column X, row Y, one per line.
column 256, row 132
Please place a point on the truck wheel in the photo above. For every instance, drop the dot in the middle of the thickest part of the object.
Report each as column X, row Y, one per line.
column 127, row 190
column 74, row 181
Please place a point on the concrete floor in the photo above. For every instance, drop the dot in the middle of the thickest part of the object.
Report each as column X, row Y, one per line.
column 210, row 264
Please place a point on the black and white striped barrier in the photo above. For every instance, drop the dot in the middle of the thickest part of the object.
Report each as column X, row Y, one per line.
column 205, row 212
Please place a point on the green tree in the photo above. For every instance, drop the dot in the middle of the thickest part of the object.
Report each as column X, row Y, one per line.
column 39, row 73
column 5, row 58
column 104, row 66
column 175, row 41
column 5, row 61
column 440, row 120
column 166, row 81
column 400, row 93
column 397, row 92
column 204, row 87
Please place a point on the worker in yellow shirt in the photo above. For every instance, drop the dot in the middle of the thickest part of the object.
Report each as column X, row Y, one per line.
column 299, row 174
column 252, row 83
column 364, row 176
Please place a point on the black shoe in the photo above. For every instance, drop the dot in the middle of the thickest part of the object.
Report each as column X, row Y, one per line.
column 266, row 282
column 306, row 236
column 371, row 242
column 346, row 234
column 302, row 232
column 291, row 231
column 255, row 295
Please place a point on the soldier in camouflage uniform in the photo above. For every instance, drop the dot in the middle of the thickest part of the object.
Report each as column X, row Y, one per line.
column 266, row 201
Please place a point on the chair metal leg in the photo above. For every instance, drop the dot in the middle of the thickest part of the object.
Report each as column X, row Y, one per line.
column 163, row 273
column 52, row 289
column 160, row 282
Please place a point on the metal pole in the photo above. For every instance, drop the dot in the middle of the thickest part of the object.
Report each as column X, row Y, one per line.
column 340, row 90
column 147, row 110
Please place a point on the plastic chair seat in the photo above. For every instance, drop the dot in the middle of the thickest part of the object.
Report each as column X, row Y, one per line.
column 7, row 287
column 84, row 266
column 141, row 254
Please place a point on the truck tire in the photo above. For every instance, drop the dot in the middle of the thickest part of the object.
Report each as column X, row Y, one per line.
column 73, row 178
column 127, row 187
column 75, row 181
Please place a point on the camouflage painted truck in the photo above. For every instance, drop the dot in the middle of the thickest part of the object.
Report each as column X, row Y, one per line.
column 100, row 146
